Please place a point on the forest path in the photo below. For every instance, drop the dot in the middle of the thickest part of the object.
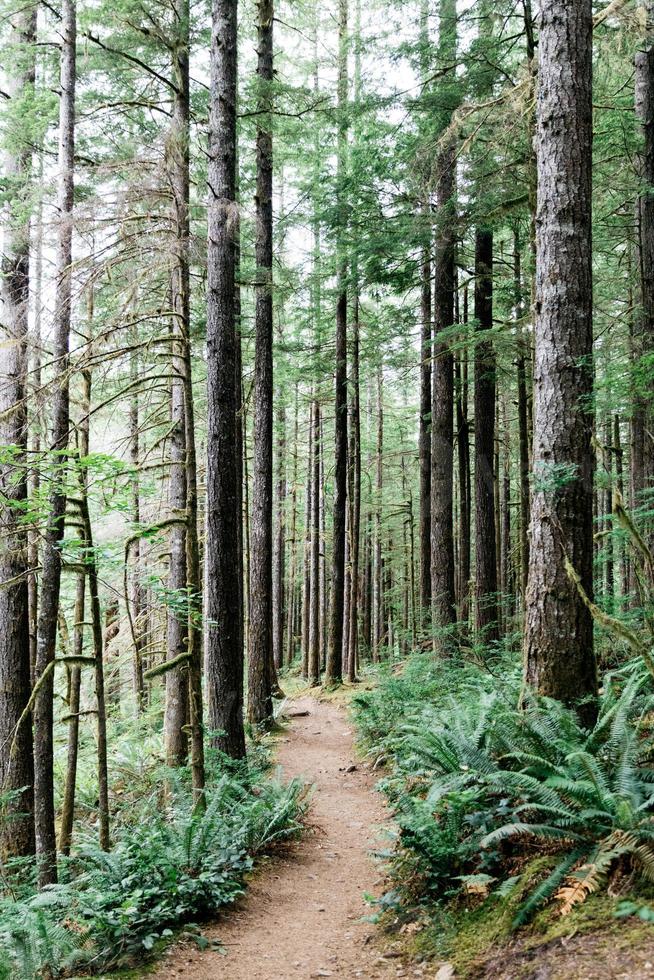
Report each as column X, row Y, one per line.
column 301, row 914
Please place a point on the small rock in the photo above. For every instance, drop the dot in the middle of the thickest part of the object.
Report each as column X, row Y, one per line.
column 322, row 973
column 446, row 972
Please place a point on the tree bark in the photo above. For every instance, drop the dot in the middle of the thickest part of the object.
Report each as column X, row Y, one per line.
column 279, row 551
column 176, row 717
column 292, row 587
column 645, row 333
column 224, row 650
column 260, row 650
column 486, row 611
column 355, row 500
column 523, row 429
column 44, row 817
column 463, row 457
column 424, row 437
column 334, row 664
column 306, row 591
column 442, row 426
column 135, row 598
column 559, row 654
column 313, row 667
column 16, row 759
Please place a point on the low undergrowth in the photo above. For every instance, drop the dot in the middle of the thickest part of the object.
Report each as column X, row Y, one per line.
column 169, row 865
column 510, row 815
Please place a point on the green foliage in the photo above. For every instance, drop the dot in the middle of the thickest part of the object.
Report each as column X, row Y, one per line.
column 480, row 785
column 169, row 866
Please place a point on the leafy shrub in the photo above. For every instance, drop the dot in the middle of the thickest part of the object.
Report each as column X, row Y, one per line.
column 480, row 786
column 166, row 869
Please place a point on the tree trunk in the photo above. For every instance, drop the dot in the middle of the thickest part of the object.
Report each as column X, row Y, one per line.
column 176, row 711
column 96, row 621
column 34, row 537
column 378, row 579
column 523, row 430
column 135, row 598
column 291, row 600
column 260, row 649
column 334, row 664
column 279, row 551
column 442, row 426
column 74, row 686
column 306, row 592
column 424, row 437
column 224, row 650
column 313, row 668
column 16, row 760
column 44, row 817
column 486, row 611
column 111, row 655
column 355, row 500
column 559, row 655
column 463, row 456
column 645, row 334
column 177, row 160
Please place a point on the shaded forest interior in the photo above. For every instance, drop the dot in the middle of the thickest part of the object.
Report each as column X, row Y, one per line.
column 326, row 354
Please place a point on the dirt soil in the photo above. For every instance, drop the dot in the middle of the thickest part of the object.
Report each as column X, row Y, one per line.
column 302, row 913
column 623, row 953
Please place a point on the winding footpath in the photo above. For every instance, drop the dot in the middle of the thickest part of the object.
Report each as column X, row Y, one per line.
column 302, row 913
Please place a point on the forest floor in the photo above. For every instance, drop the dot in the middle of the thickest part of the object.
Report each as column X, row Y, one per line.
column 302, row 914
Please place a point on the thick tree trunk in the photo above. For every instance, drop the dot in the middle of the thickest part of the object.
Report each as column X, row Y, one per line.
column 16, row 761
column 645, row 333
column 334, row 662
column 559, row 655
column 260, row 649
column 224, row 650
column 486, row 611
column 442, row 426
column 44, row 817
column 442, row 435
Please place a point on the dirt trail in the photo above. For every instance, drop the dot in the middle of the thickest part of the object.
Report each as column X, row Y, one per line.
column 301, row 915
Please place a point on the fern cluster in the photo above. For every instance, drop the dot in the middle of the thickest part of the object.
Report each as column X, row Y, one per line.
column 480, row 785
column 170, row 866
